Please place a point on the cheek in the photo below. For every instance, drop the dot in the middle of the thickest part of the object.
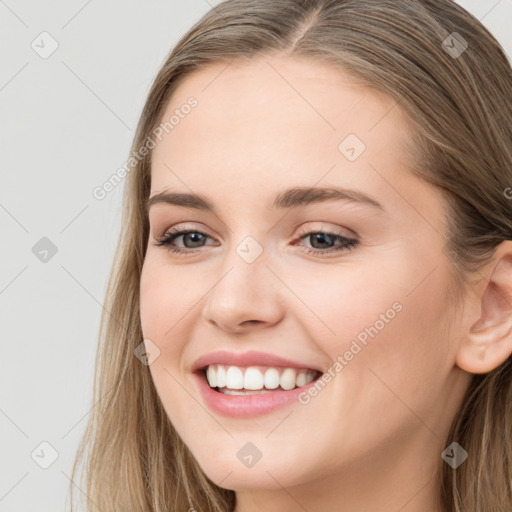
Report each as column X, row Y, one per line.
column 389, row 354
column 378, row 318
column 358, row 302
column 166, row 296
column 151, row 299
column 163, row 302
column 404, row 356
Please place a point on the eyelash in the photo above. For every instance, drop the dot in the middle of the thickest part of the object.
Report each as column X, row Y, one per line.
column 169, row 236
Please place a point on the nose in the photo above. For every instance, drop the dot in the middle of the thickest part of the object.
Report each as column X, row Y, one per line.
column 245, row 295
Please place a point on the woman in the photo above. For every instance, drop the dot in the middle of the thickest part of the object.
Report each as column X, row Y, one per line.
column 311, row 302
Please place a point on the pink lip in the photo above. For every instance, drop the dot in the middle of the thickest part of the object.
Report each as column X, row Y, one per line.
column 251, row 358
column 246, row 406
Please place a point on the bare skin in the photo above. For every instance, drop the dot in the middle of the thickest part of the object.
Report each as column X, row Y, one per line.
column 372, row 438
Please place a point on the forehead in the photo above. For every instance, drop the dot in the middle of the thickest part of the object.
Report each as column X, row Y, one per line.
column 275, row 122
column 260, row 99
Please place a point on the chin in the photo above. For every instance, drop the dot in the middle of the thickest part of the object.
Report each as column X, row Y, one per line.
column 270, row 472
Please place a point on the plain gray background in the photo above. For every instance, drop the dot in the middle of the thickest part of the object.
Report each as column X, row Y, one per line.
column 67, row 122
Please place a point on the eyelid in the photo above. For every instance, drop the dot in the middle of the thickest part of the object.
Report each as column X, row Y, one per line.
column 301, row 232
column 166, row 240
column 326, row 227
column 179, row 227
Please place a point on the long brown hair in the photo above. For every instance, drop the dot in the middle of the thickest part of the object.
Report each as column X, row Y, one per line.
column 454, row 83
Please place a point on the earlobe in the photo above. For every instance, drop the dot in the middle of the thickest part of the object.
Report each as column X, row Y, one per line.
column 488, row 341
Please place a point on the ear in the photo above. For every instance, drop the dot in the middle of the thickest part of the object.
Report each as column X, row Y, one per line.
column 488, row 342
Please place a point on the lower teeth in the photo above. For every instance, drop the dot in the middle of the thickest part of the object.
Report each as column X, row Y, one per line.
column 228, row 391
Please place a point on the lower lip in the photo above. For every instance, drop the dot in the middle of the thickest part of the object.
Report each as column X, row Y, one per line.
column 246, row 406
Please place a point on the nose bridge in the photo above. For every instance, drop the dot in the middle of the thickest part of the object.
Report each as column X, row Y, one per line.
column 245, row 289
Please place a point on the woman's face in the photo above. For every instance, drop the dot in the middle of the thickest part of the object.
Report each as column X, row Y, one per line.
column 373, row 315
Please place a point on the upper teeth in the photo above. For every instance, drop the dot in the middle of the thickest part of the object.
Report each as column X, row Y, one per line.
column 254, row 377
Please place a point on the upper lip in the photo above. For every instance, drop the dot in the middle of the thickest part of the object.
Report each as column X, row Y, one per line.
column 251, row 358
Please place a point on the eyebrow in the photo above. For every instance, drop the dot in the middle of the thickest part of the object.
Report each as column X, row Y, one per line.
column 291, row 198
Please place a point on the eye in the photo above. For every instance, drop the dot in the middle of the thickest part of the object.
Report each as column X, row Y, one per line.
column 320, row 238
column 194, row 239
column 195, row 236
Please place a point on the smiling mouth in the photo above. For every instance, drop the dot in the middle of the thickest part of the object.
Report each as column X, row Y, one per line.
column 253, row 380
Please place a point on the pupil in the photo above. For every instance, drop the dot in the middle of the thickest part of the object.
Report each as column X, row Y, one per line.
column 322, row 236
column 194, row 235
